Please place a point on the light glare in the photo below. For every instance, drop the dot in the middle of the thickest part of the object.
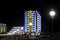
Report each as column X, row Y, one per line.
column 52, row 13
column 21, row 27
column 30, row 24
column 17, row 29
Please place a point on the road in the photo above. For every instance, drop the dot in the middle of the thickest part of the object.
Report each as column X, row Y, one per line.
column 18, row 37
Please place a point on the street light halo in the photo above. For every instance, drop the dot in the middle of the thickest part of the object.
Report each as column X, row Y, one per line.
column 52, row 13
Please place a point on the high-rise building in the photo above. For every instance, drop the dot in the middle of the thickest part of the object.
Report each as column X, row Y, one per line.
column 32, row 22
column 3, row 28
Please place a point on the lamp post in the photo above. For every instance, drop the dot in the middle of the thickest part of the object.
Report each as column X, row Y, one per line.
column 52, row 14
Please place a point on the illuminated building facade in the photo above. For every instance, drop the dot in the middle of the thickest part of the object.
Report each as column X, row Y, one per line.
column 16, row 30
column 32, row 22
column 3, row 28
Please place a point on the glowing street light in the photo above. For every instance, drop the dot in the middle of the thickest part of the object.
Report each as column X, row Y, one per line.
column 52, row 14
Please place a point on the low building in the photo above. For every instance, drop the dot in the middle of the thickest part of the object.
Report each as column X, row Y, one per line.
column 3, row 28
column 16, row 30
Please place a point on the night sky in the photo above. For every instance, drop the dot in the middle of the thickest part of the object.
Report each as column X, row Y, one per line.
column 12, row 13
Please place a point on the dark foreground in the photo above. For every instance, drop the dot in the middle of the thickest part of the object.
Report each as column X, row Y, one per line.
column 18, row 37
column 56, row 36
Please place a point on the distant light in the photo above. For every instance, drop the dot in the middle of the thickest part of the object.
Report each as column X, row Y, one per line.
column 30, row 24
column 30, row 11
column 21, row 27
column 52, row 13
column 17, row 29
column 32, row 34
column 30, row 16
column 14, row 32
column 37, row 33
column 27, row 33
column 23, row 32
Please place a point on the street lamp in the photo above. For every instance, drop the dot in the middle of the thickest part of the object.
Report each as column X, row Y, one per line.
column 52, row 14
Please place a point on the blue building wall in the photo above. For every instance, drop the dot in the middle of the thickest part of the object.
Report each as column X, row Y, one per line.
column 34, row 21
column 39, row 23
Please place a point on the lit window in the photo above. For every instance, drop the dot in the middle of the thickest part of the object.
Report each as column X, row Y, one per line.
column 30, row 24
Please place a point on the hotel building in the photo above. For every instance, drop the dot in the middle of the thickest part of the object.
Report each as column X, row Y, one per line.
column 32, row 22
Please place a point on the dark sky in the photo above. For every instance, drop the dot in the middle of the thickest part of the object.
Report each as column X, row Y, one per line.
column 12, row 12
